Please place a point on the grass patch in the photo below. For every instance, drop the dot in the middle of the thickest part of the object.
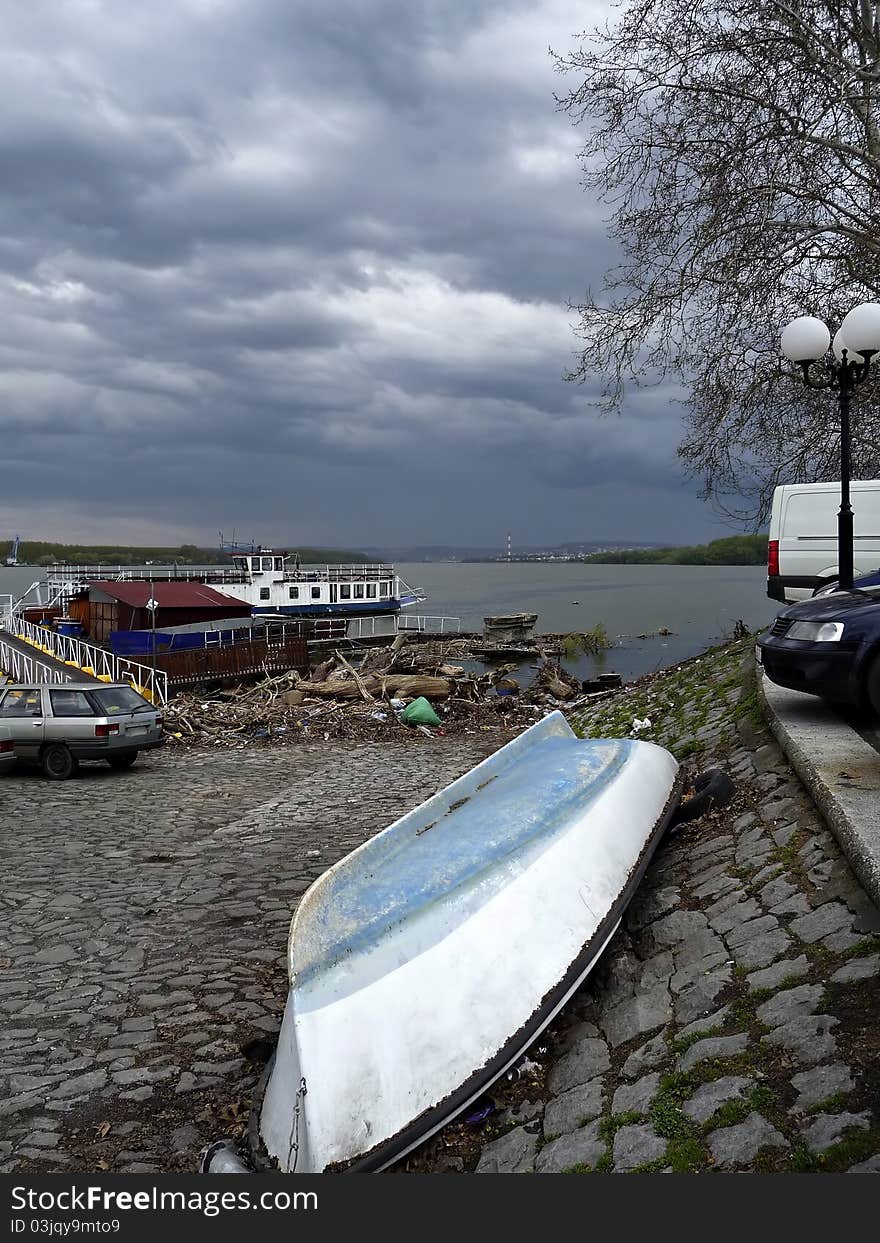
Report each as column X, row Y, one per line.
column 603, row 1165
column 830, row 1105
column 678, row 1045
column 609, row 1127
column 665, row 1114
column 686, row 1155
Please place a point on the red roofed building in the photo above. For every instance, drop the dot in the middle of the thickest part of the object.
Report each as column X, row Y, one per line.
column 108, row 606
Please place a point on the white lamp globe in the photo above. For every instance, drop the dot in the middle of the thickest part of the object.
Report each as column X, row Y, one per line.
column 839, row 344
column 805, row 339
column 862, row 329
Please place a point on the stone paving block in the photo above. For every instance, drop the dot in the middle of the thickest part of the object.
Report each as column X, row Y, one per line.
column 820, row 1084
column 857, row 969
column 635, row 1146
column 635, row 1097
column 654, row 904
column 738, row 1145
column 706, row 1024
column 637, row 1015
column 709, row 1097
column 657, row 969
column 827, row 1129
column 772, row 977
column 654, row 1053
column 777, row 890
column 809, row 1039
column 513, row 1153
column 696, row 1000
column 783, row 834
column 790, row 1004
column 822, row 922
column 753, row 928
column 840, row 942
column 723, row 884
column 760, row 951
column 674, row 928
column 797, row 904
column 588, row 1059
column 583, row 1147
column 724, row 903
column 740, row 913
column 573, row 1109
column 713, row 1047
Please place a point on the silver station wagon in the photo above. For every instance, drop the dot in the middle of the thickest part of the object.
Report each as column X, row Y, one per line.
column 7, row 750
column 58, row 724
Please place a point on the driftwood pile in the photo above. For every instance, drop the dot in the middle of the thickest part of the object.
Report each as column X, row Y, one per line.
column 365, row 703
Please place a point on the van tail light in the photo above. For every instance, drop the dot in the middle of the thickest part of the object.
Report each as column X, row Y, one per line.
column 6, row 746
column 160, row 721
column 773, row 557
column 104, row 731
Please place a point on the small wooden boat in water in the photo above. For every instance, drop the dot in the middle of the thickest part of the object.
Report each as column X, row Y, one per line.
column 423, row 964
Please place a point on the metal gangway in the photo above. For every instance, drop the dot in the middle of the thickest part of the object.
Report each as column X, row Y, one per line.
column 69, row 654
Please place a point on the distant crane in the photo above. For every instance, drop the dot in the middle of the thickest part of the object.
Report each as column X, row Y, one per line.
column 12, row 559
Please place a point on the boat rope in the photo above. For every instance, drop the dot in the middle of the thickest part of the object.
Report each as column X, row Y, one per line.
column 293, row 1140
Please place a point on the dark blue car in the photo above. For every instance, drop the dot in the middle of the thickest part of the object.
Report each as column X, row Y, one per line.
column 828, row 646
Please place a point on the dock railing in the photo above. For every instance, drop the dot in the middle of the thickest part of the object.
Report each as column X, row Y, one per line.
column 78, row 656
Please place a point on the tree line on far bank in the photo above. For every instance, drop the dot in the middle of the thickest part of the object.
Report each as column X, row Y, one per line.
column 37, row 552
column 732, row 550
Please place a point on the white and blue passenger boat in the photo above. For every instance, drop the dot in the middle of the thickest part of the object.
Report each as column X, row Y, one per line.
column 273, row 582
column 270, row 582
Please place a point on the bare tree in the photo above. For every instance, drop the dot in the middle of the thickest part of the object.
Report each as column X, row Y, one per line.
column 737, row 145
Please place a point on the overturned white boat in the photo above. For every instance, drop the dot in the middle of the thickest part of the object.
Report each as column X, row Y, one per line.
column 425, row 962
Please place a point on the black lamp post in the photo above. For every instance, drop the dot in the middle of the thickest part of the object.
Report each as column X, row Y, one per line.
column 805, row 341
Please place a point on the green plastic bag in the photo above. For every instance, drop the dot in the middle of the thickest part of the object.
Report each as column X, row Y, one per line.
column 420, row 712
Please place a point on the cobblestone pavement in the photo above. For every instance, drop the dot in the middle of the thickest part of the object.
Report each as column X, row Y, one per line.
column 734, row 1023
column 145, row 918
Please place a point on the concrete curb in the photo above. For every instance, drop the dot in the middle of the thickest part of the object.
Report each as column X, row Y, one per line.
column 840, row 770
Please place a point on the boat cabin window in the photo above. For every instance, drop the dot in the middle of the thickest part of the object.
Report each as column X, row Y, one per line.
column 383, row 589
column 279, row 563
column 293, row 592
column 316, row 593
column 264, row 593
column 358, row 591
column 345, row 592
column 267, row 563
column 371, row 591
column 255, row 565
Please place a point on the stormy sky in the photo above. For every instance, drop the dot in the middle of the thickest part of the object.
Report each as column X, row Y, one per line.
column 301, row 268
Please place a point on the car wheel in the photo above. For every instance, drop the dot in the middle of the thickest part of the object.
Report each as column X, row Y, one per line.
column 872, row 686
column 123, row 761
column 57, row 763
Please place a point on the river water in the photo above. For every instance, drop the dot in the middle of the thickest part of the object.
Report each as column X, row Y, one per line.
column 699, row 604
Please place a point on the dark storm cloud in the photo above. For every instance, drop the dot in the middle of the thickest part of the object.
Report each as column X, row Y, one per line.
column 303, row 267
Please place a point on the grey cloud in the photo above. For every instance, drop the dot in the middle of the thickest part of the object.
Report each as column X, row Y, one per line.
column 304, row 267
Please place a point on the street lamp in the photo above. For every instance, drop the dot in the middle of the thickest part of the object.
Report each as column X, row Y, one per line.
column 805, row 341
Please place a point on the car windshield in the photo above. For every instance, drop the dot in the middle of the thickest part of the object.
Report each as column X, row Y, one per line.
column 114, row 700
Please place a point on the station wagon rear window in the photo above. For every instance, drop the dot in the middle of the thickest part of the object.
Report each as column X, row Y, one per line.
column 70, row 703
column 117, row 699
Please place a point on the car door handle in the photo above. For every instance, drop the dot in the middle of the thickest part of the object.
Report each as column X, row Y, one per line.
column 37, row 724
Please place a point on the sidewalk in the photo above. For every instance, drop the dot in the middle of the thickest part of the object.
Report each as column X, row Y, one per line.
column 839, row 768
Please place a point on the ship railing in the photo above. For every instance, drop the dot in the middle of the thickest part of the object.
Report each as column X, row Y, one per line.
column 371, row 627
column 429, row 625
column 81, row 657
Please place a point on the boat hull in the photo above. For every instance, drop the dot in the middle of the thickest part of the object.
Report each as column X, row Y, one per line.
column 424, row 963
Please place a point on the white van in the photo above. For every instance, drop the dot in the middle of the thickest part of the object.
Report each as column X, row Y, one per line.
column 802, row 548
